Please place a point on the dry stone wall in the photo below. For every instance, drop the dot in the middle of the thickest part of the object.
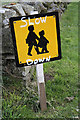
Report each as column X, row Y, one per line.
column 21, row 9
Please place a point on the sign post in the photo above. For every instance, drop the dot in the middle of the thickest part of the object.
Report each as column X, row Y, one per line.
column 40, row 81
column 41, row 86
column 36, row 39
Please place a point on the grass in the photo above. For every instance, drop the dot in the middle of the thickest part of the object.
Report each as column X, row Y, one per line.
column 66, row 70
column 64, row 83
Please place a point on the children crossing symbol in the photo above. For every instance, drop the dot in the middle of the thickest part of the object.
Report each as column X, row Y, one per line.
column 31, row 40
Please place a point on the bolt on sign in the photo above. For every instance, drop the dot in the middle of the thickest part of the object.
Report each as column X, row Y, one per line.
column 36, row 38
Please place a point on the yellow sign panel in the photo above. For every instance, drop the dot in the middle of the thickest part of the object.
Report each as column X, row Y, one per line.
column 36, row 38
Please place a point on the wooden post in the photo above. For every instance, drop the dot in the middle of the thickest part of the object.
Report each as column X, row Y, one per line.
column 41, row 86
column 40, row 81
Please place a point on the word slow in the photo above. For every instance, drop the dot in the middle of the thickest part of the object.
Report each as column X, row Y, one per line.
column 37, row 21
column 30, row 61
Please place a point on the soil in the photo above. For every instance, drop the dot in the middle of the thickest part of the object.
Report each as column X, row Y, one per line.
column 48, row 77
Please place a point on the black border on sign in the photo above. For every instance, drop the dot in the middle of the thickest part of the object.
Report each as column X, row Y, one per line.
column 12, row 19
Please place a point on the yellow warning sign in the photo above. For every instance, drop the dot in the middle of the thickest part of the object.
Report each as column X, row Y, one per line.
column 36, row 38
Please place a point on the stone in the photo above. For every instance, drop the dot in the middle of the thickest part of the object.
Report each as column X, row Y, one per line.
column 6, row 21
column 55, row 1
column 18, row 8
column 12, row 70
column 7, row 6
column 27, row 79
column 40, row 7
column 7, row 43
column 50, row 10
column 50, row 5
column 10, row 13
column 6, row 15
column 65, row 5
column 26, row 70
column 12, row 3
column 27, row 8
column 53, row 9
column 62, row 8
column 10, row 57
column 31, row 3
column 47, row 4
column 53, row 5
column 2, row 10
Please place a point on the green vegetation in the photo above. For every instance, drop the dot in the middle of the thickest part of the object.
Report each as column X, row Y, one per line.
column 61, row 90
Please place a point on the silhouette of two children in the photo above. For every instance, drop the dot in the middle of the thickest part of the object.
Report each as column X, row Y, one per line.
column 31, row 41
